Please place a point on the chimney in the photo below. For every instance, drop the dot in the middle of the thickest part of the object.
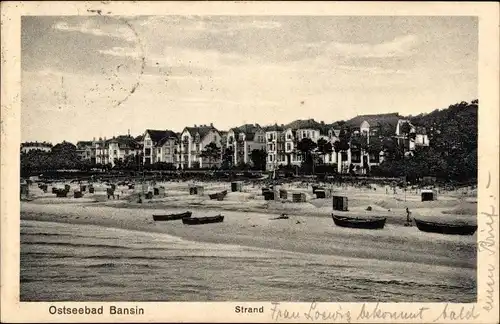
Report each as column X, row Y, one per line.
column 194, row 125
column 93, row 139
column 211, row 125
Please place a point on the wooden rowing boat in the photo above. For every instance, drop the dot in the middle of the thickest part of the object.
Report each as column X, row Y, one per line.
column 202, row 220
column 359, row 222
column 170, row 217
column 444, row 228
column 218, row 195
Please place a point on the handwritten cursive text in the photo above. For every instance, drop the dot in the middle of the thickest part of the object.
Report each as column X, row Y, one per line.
column 378, row 313
column 464, row 313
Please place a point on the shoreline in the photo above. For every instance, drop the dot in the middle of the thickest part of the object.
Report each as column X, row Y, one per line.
column 314, row 234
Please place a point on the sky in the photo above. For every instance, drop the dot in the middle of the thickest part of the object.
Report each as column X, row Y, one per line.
column 103, row 76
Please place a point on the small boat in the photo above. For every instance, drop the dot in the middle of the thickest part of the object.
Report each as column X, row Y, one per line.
column 202, row 220
column 218, row 195
column 444, row 228
column 359, row 222
column 170, row 217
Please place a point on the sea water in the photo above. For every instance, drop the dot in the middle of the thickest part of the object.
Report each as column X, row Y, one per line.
column 69, row 262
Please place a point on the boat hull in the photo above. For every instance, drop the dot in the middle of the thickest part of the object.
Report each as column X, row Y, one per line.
column 218, row 195
column 170, row 217
column 203, row 220
column 355, row 222
column 449, row 229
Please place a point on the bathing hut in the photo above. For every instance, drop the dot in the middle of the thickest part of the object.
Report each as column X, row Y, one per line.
column 78, row 194
column 428, row 194
column 196, row 190
column 299, row 197
column 236, row 186
column 91, row 189
column 283, row 194
column 61, row 193
column 323, row 193
column 268, row 195
column 340, row 203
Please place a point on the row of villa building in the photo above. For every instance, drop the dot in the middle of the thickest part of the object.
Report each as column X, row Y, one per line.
column 184, row 149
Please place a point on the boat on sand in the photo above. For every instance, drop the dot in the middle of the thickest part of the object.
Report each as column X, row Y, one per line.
column 445, row 228
column 218, row 195
column 202, row 220
column 359, row 222
column 170, row 217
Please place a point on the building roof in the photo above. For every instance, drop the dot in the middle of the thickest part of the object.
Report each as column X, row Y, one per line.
column 390, row 119
column 169, row 135
column 124, row 141
column 305, row 124
column 274, row 128
column 36, row 144
column 203, row 130
column 158, row 135
column 248, row 129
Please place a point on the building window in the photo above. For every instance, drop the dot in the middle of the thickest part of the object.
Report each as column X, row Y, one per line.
column 148, row 142
column 167, row 150
column 159, row 151
column 215, row 139
column 158, row 159
column 288, row 146
column 114, row 152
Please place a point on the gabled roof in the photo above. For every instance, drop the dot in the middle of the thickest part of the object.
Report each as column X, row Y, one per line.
column 202, row 130
column 248, row 129
column 305, row 124
column 158, row 135
column 124, row 141
column 273, row 128
column 170, row 135
column 390, row 119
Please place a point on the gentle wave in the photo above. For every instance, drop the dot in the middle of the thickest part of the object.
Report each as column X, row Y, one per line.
column 85, row 262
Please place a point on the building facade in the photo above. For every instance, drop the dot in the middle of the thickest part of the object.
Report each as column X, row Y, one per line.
column 36, row 146
column 120, row 147
column 193, row 141
column 242, row 140
column 153, row 142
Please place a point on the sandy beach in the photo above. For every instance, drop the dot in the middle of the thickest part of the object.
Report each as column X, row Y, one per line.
column 249, row 220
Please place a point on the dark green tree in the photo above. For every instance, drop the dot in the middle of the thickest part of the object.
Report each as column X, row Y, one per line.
column 212, row 152
column 258, row 157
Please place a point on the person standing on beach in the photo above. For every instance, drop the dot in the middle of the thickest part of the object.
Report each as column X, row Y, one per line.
column 408, row 220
